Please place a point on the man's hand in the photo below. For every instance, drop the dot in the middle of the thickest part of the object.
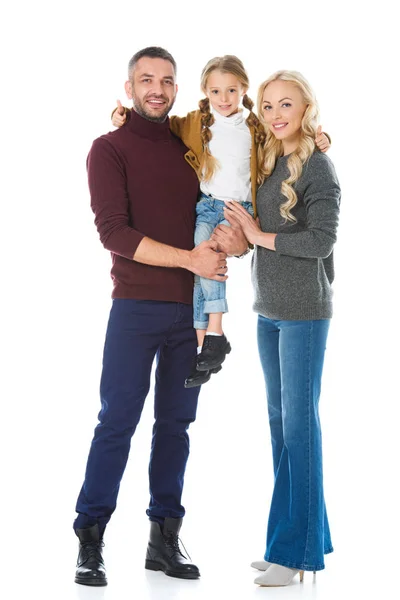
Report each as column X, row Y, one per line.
column 204, row 260
column 321, row 140
column 119, row 116
column 235, row 213
column 230, row 240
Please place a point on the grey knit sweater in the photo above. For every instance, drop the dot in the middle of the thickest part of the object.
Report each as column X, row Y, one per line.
column 294, row 282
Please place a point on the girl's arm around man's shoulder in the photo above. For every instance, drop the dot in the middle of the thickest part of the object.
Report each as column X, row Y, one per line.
column 188, row 128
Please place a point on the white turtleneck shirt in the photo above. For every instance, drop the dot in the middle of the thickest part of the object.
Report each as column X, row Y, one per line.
column 231, row 146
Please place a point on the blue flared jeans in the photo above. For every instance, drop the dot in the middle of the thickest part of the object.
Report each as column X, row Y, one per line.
column 292, row 357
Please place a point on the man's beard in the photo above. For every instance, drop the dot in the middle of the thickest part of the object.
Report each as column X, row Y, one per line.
column 140, row 108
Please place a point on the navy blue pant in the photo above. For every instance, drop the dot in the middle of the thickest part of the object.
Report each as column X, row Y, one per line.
column 138, row 331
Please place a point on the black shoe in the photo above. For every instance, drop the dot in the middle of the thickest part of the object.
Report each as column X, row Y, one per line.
column 164, row 553
column 91, row 569
column 197, row 378
column 213, row 353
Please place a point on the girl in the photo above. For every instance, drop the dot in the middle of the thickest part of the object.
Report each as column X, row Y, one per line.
column 292, row 272
column 223, row 150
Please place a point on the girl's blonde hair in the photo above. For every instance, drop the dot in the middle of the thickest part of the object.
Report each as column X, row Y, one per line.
column 232, row 65
column 272, row 148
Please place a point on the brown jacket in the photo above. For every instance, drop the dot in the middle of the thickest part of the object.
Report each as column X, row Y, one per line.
column 188, row 129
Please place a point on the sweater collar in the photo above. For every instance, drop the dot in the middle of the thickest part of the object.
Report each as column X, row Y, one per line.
column 235, row 119
column 149, row 129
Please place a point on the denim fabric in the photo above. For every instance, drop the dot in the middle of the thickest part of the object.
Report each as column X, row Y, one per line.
column 138, row 331
column 292, row 357
column 209, row 296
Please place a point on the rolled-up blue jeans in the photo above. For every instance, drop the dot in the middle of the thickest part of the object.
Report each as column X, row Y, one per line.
column 209, row 296
column 292, row 357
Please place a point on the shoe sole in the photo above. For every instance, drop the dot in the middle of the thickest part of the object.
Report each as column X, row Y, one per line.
column 193, row 384
column 216, row 364
column 151, row 565
column 93, row 583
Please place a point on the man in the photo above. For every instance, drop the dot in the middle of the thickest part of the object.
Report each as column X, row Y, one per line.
column 143, row 195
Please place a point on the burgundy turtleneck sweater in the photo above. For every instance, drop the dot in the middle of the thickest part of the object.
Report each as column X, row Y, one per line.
column 141, row 185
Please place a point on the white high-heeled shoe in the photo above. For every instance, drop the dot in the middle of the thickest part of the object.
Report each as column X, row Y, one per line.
column 261, row 565
column 277, row 576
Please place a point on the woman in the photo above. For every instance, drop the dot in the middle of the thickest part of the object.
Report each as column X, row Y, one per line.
column 292, row 271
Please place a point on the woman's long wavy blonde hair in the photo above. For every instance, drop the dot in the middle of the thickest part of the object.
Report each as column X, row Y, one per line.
column 232, row 65
column 272, row 148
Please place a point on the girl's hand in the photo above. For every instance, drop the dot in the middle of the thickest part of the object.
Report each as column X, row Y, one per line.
column 236, row 214
column 119, row 116
column 321, row 140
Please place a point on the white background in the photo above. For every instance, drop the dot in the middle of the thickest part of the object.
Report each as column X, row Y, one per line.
column 63, row 67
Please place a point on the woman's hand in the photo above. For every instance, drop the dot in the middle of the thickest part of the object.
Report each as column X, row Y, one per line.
column 236, row 214
column 119, row 116
column 321, row 140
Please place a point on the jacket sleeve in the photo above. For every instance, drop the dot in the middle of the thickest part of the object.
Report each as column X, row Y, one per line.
column 327, row 135
column 177, row 125
column 322, row 201
column 187, row 128
column 109, row 200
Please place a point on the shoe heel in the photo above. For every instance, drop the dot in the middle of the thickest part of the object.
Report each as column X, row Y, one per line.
column 301, row 573
column 151, row 565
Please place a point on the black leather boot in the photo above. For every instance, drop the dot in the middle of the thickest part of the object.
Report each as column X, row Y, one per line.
column 197, row 378
column 90, row 565
column 213, row 353
column 164, row 553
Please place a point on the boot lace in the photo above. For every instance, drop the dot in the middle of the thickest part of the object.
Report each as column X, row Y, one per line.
column 92, row 550
column 172, row 542
column 208, row 342
column 212, row 342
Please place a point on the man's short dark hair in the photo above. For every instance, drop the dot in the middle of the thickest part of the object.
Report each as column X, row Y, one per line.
column 150, row 52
